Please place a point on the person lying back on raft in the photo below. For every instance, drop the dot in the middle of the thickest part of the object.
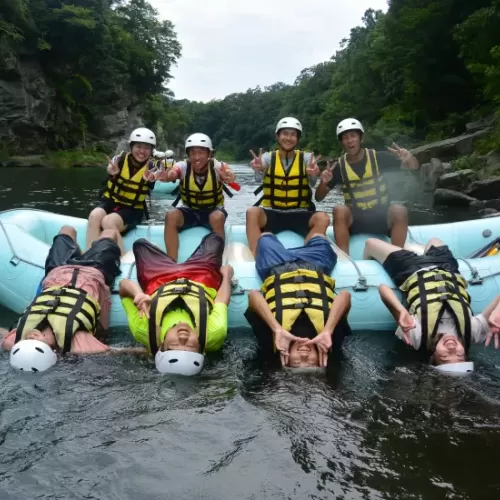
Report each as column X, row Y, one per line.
column 74, row 300
column 438, row 321
column 295, row 317
column 179, row 311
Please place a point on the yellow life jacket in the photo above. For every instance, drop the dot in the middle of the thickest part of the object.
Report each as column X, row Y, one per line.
column 127, row 190
column 429, row 294
column 367, row 191
column 195, row 300
column 290, row 293
column 286, row 189
column 207, row 196
column 66, row 309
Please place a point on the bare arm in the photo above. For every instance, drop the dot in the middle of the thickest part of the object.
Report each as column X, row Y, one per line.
column 258, row 304
column 391, row 301
column 224, row 292
column 410, row 163
column 321, row 191
column 339, row 309
column 492, row 306
column 129, row 288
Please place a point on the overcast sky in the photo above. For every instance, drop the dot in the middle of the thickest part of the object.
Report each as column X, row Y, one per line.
column 231, row 45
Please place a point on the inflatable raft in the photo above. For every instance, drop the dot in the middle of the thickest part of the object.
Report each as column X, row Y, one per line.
column 164, row 187
column 26, row 236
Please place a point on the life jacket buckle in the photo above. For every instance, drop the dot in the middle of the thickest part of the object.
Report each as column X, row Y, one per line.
column 52, row 303
column 57, row 293
column 299, row 278
column 301, row 305
column 302, row 294
column 182, row 290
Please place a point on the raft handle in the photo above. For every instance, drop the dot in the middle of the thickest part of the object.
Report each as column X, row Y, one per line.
column 361, row 285
column 14, row 261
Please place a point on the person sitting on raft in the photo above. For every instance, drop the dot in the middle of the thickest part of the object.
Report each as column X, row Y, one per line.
column 179, row 311
column 296, row 315
column 287, row 176
column 74, row 300
column 202, row 191
column 438, row 321
column 130, row 179
column 360, row 172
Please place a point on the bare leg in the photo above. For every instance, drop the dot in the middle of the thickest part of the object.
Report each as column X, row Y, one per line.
column 114, row 222
column 318, row 224
column 173, row 221
column 397, row 220
column 433, row 242
column 256, row 220
column 94, row 225
column 217, row 220
column 342, row 221
column 69, row 231
column 378, row 249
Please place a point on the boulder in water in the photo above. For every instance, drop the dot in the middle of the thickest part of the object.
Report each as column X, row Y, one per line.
column 456, row 180
column 487, row 189
column 452, row 198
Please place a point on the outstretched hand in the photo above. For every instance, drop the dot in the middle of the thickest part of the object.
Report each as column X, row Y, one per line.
column 257, row 164
column 407, row 323
column 143, row 302
column 226, row 174
column 323, row 342
column 494, row 332
column 403, row 154
column 327, row 174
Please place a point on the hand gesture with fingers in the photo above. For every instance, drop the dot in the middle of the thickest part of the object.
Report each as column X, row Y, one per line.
column 226, row 174
column 327, row 174
column 323, row 342
column 257, row 163
column 143, row 302
column 407, row 323
column 150, row 175
column 312, row 168
column 494, row 324
column 282, row 341
column 113, row 167
column 401, row 153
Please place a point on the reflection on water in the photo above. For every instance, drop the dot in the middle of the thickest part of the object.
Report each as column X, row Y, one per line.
column 108, row 427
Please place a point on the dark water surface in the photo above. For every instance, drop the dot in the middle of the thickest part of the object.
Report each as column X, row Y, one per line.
column 109, row 427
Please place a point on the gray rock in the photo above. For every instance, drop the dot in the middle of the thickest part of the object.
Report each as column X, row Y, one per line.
column 487, row 216
column 25, row 161
column 492, row 204
column 447, row 167
column 449, row 197
column 448, row 149
column 480, row 124
column 487, row 189
column 456, row 180
column 430, row 173
column 477, row 204
column 487, row 211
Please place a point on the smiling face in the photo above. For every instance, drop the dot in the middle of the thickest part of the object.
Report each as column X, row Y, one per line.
column 181, row 337
column 449, row 350
column 198, row 158
column 288, row 138
column 141, row 152
column 302, row 356
column 351, row 142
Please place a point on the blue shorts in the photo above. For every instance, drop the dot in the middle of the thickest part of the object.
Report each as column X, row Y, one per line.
column 317, row 254
column 197, row 218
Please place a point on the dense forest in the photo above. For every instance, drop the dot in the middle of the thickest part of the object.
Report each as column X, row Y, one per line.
column 418, row 72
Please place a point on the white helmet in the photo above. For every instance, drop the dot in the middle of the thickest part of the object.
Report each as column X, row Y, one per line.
column 32, row 356
column 169, row 153
column 199, row 140
column 179, row 362
column 158, row 154
column 349, row 124
column 289, row 122
column 463, row 367
column 143, row 135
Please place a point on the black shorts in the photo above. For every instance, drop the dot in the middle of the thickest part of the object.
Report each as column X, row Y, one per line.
column 198, row 218
column 131, row 217
column 402, row 264
column 104, row 255
column 288, row 220
column 372, row 221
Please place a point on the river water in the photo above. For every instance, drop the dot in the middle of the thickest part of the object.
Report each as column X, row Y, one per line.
column 108, row 427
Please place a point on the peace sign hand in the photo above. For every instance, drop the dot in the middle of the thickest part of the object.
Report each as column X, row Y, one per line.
column 113, row 167
column 312, row 168
column 327, row 174
column 402, row 153
column 257, row 163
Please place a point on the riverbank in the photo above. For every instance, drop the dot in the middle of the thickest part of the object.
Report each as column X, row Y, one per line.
column 77, row 158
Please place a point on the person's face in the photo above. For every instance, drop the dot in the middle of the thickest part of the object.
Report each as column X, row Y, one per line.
column 142, row 152
column 46, row 336
column 288, row 138
column 199, row 158
column 449, row 350
column 302, row 356
column 351, row 142
column 181, row 337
